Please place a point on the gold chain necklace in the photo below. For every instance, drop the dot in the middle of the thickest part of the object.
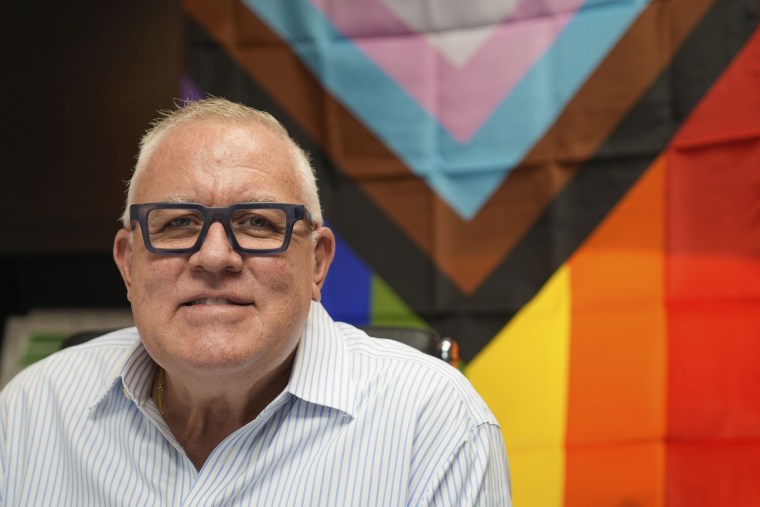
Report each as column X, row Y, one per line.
column 158, row 389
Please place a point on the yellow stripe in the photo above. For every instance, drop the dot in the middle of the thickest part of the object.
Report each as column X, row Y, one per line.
column 522, row 374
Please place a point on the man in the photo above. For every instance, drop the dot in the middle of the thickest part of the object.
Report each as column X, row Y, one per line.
column 236, row 387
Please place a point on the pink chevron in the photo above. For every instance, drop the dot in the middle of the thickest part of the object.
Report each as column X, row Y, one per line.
column 461, row 98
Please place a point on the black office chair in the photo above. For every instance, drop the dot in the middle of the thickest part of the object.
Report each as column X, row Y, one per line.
column 423, row 340
column 83, row 336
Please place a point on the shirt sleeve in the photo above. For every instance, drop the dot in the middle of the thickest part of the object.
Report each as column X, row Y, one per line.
column 476, row 474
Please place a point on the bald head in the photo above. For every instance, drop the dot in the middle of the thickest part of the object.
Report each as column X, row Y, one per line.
column 218, row 109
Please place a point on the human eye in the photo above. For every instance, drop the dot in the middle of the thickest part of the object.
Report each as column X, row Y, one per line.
column 258, row 222
column 175, row 221
column 180, row 222
column 255, row 222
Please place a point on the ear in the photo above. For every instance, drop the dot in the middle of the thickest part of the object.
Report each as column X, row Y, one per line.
column 122, row 254
column 324, row 251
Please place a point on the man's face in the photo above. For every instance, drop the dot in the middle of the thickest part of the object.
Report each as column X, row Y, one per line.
column 217, row 310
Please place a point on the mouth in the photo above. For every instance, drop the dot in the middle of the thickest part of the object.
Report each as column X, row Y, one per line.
column 214, row 302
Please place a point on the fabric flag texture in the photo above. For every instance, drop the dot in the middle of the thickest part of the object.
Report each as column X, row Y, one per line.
column 570, row 189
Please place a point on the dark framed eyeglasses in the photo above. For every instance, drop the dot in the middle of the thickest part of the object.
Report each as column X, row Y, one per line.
column 252, row 228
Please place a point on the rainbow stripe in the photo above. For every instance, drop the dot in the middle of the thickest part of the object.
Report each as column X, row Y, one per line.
column 632, row 375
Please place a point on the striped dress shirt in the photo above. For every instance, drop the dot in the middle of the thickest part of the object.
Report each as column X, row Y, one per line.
column 362, row 422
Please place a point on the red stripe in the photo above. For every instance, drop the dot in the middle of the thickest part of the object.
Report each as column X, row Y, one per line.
column 713, row 290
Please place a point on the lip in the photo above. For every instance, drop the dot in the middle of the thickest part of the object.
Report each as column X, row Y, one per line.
column 214, row 300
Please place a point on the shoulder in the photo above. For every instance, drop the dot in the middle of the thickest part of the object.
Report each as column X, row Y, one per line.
column 457, row 452
column 427, row 382
column 88, row 366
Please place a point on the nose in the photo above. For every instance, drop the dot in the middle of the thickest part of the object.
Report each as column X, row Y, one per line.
column 216, row 253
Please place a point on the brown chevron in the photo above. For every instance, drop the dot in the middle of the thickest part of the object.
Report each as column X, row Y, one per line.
column 466, row 251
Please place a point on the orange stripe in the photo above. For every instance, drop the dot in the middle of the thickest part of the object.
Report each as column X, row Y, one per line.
column 616, row 412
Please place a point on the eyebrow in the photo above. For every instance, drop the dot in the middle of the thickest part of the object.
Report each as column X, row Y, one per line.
column 179, row 198
column 186, row 199
column 260, row 199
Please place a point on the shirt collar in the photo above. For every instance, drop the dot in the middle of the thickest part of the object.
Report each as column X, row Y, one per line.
column 321, row 370
column 130, row 369
column 131, row 372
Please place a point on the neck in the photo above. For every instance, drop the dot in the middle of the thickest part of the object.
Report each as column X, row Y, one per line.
column 201, row 413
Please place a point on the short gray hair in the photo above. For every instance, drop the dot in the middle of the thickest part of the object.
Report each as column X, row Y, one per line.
column 234, row 113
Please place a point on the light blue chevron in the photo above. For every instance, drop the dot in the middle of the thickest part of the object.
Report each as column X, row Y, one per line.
column 463, row 175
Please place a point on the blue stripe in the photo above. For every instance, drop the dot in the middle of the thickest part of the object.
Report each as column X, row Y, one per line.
column 464, row 175
column 346, row 293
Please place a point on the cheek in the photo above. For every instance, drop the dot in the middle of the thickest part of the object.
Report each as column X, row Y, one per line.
column 275, row 275
column 282, row 277
column 153, row 282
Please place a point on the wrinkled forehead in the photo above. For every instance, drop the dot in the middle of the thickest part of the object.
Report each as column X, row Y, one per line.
column 220, row 142
column 219, row 157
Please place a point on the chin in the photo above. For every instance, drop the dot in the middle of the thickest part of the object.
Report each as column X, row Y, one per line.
column 219, row 361
column 204, row 349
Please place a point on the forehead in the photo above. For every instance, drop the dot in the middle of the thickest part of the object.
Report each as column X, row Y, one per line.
column 215, row 162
